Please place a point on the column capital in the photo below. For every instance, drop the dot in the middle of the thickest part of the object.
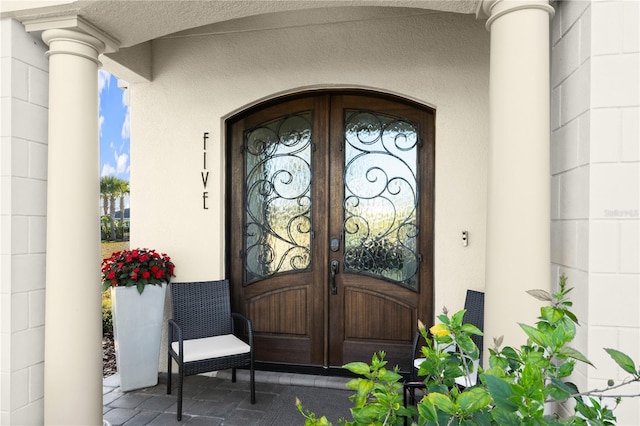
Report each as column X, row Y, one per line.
column 71, row 42
column 494, row 9
column 79, row 29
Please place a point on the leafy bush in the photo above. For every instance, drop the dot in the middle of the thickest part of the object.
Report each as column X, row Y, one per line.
column 518, row 388
column 107, row 317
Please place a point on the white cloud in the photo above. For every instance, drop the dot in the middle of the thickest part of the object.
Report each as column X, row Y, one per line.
column 107, row 170
column 122, row 162
column 104, row 79
column 125, row 125
column 100, row 123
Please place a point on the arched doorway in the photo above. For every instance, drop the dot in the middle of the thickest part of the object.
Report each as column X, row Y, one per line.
column 330, row 225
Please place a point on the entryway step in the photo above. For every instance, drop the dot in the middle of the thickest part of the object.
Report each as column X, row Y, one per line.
column 292, row 379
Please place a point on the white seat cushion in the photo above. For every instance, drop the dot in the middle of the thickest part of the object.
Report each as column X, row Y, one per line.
column 212, row 347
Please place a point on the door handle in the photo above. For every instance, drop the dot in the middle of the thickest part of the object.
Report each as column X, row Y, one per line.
column 334, row 272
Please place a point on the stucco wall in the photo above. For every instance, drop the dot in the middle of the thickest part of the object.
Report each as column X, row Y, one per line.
column 23, row 178
column 439, row 60
column 595, row 183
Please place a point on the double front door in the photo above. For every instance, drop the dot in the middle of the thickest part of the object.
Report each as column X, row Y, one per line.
column 330, row 226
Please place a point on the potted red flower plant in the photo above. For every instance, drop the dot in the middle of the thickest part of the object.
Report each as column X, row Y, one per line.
column 137, row 313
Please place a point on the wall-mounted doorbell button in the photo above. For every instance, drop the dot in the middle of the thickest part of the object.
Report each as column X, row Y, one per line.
column 465, row 238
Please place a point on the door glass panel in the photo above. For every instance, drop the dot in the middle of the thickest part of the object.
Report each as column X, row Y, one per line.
column 277, row 216
column 380, row 197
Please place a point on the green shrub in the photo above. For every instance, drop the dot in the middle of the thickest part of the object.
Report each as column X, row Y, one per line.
column 517, row 388
column 107, row 316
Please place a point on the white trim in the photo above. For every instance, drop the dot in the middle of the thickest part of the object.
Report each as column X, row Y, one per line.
column 73, row 22
column 49, row 53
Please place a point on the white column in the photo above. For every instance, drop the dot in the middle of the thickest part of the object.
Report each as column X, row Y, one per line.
column 518, row 216
column 73, row 348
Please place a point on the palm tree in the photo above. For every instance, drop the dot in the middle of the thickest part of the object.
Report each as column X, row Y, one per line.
column 108, row 187
column 105, row 183
column 123, row 190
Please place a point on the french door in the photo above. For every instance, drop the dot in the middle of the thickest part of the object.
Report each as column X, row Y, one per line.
column 330, row 226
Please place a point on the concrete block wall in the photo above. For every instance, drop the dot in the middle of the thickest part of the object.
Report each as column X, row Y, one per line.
column 595, row 160
column 23, row 198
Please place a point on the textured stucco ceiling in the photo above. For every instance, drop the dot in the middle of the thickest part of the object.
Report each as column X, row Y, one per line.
column 132, row 22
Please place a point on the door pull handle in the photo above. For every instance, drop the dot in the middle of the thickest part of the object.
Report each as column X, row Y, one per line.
column 334, row 272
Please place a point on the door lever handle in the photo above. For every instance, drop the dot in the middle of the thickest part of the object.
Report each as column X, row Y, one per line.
column 334, row 272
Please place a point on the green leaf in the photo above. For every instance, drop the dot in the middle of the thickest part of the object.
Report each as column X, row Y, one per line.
column 535, row 335
column 360, row 368
column 559, row 390
column 443, row 402
column 505, row 417
column 467, row 345
column 389, row 376
column 573, row 353
column 623, row 360
column 571, row 315
column 501, row 392
column 456, row 319
column 531, row 377
column 566, row 368
column 551, row 314
column 354, row 383
column 427, row 411
column 471, row 329
column 364, row 387
column 473, row 399
column 511, row 353
column 559, row 337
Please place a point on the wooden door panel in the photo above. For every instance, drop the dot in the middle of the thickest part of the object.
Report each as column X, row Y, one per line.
column 286, row 350
column 382, row 320
column 267, row 308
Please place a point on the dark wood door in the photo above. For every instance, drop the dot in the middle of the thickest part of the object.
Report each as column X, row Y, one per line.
column 330, row 226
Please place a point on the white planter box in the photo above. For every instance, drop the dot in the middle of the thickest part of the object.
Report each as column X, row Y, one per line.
column 137, row 329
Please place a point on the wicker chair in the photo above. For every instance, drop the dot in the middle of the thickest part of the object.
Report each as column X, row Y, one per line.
column 204, row 335
column 474, row 305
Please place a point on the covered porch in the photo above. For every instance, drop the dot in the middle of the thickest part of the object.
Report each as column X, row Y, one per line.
column 503, row 77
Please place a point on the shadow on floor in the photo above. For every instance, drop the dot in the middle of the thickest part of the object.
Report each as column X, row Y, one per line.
column 217, row 401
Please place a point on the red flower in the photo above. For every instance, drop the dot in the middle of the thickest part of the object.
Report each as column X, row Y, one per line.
column 125, row 268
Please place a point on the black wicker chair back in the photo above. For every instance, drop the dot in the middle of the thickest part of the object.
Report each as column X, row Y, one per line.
column 474, row 304
column 203, row 309
column 204, row 335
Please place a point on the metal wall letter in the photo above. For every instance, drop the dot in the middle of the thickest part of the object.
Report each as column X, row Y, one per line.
column 205, row 174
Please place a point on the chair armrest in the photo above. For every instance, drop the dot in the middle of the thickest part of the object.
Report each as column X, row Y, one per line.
column 175, row 327
column 245, row 330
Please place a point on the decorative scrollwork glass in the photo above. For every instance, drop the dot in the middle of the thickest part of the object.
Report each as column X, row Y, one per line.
column 278, row 197
column 381, row 197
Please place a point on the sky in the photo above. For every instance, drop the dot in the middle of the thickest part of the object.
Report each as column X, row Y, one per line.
column 114, row 128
